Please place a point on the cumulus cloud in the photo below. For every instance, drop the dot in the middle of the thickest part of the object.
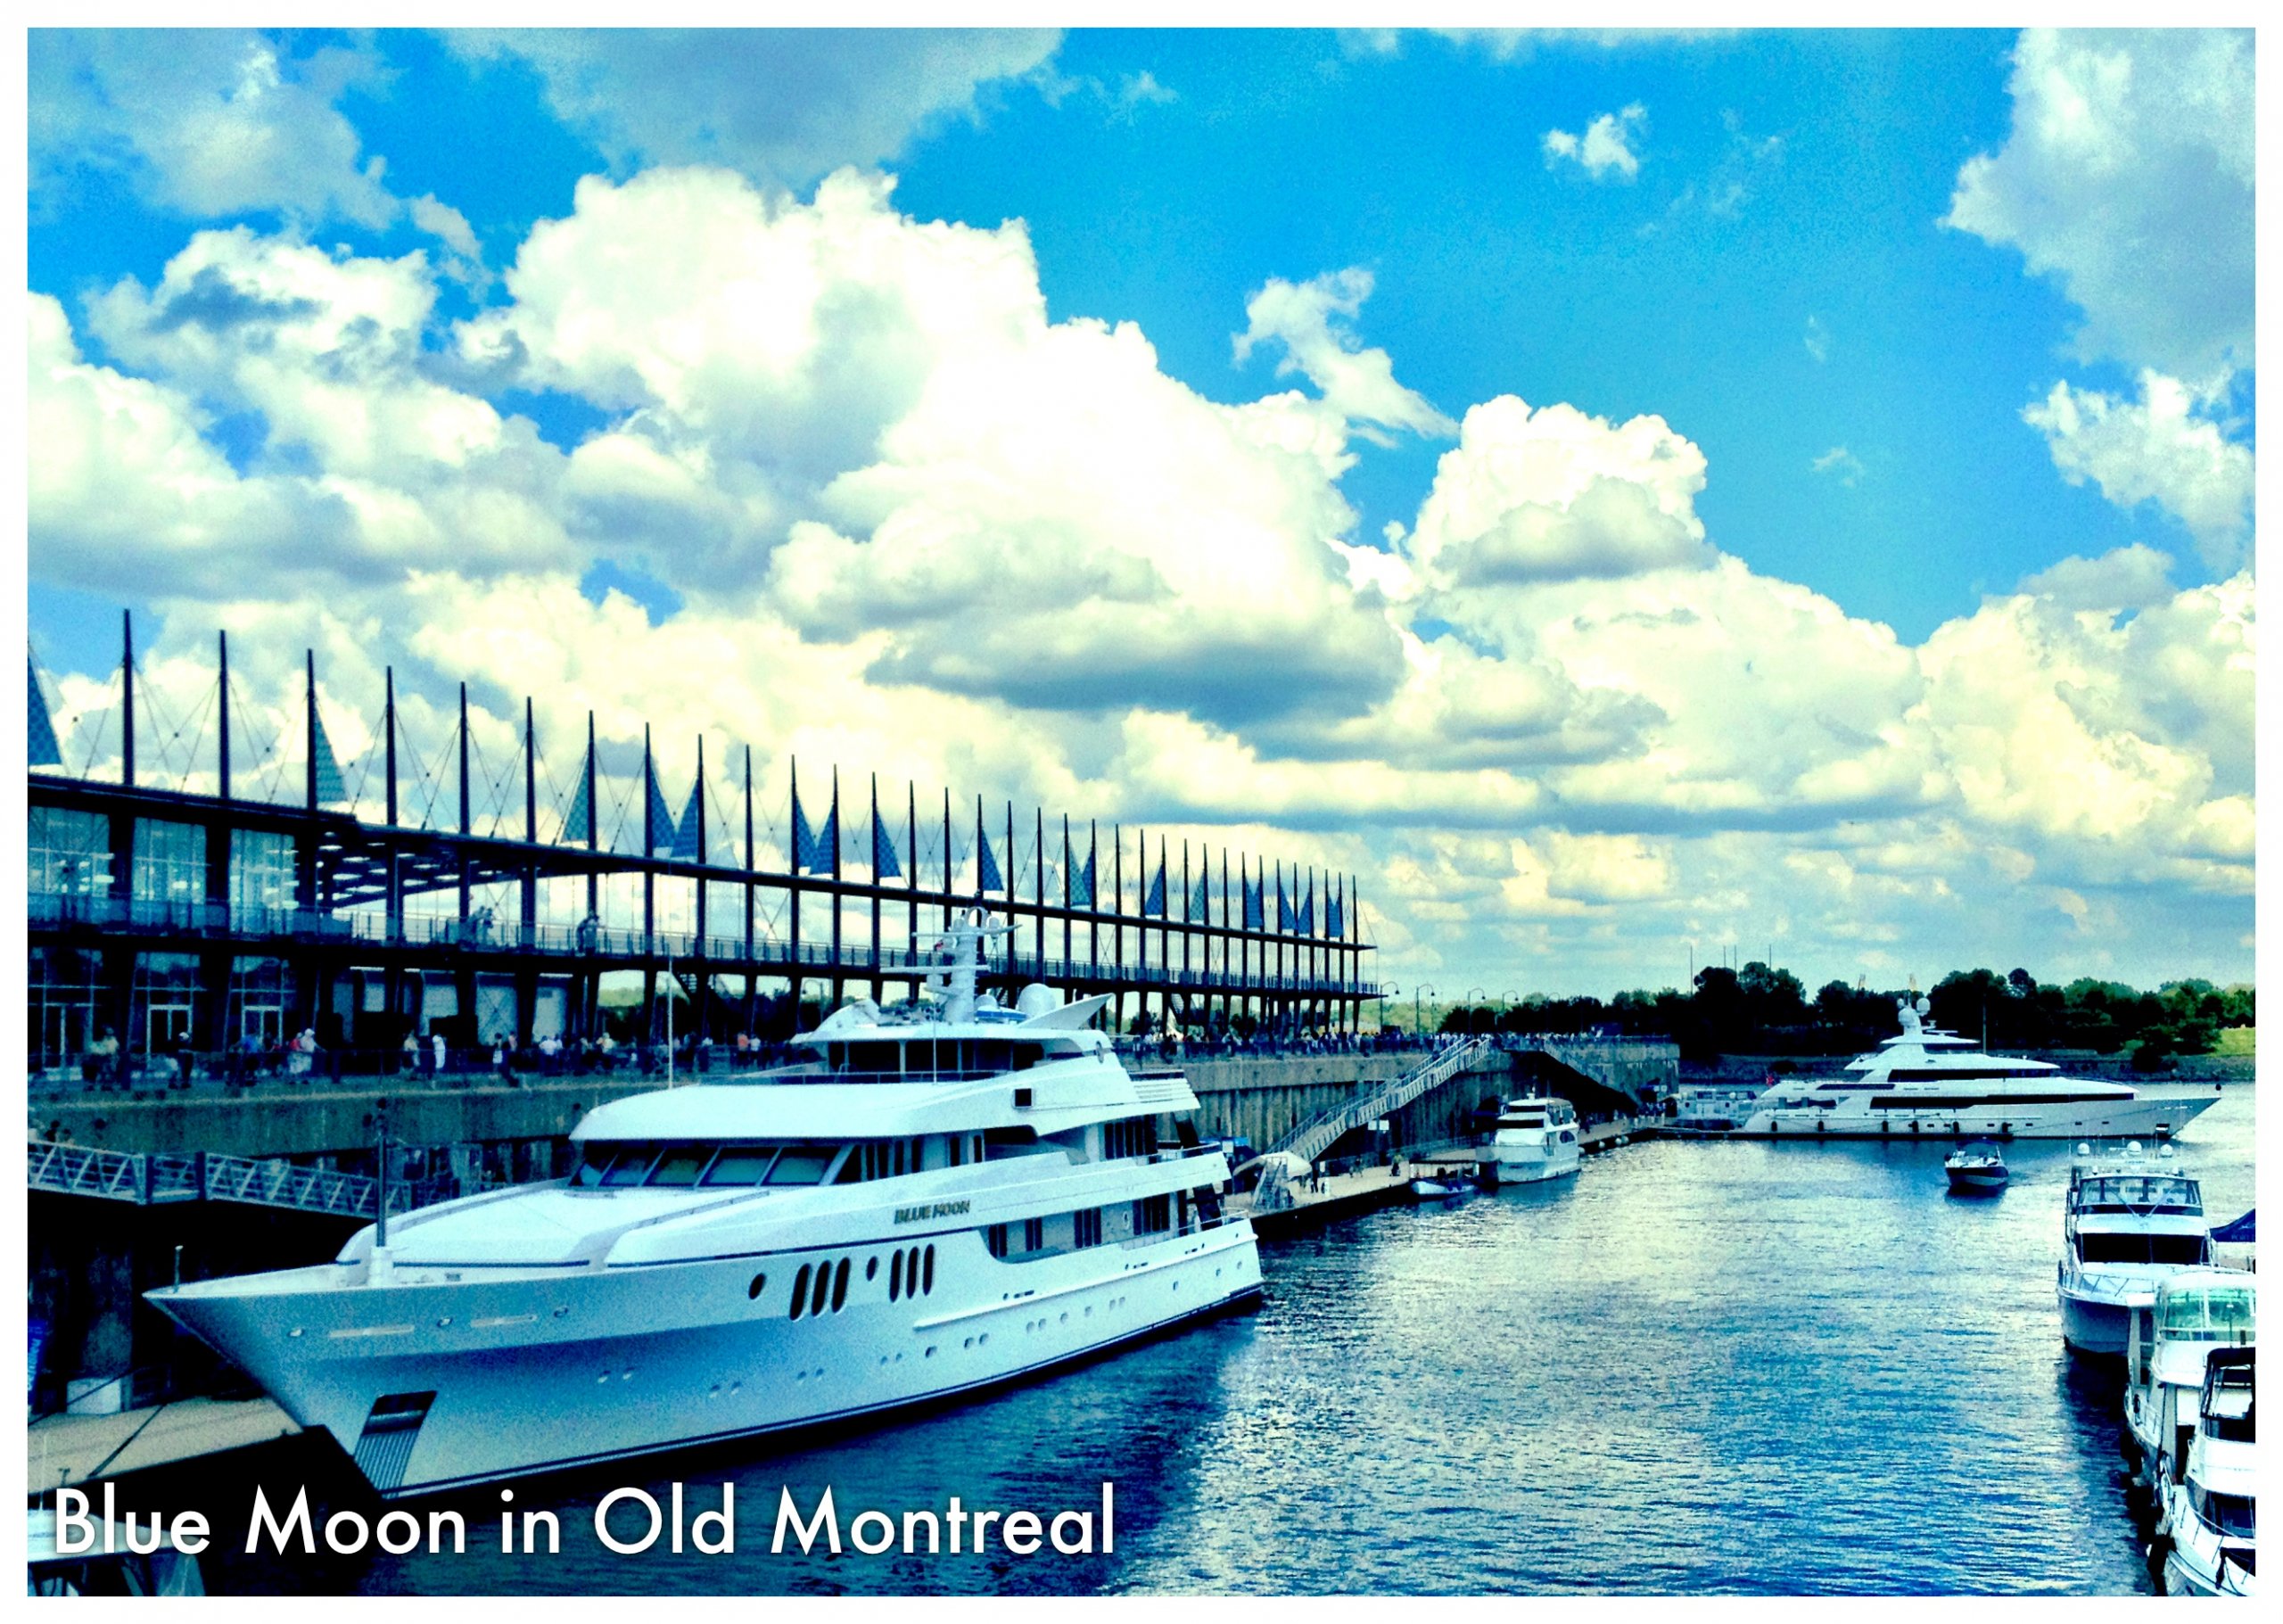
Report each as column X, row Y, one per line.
column 1314, row 322
column 2154, row 449
column 782, row 104
column 1553, row 493
column 206, row 122
column 2125, row 578
column 1604, row 148
column 2128, row 177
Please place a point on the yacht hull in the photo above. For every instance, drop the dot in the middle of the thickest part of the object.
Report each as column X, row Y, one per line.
column 2097, row 1327
column 1534, row 1169
column 2121, row 1119
column 439, row 1386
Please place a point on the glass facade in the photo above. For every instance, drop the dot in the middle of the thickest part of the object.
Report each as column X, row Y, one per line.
column 69, row 853
column 166, row 1003
column 261, row 868
column 170, row 862
column 64, row 984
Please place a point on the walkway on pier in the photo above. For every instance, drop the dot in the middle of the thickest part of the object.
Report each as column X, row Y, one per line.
column 65, row 1451
column 157, row 1178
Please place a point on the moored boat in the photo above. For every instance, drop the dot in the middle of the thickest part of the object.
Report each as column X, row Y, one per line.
column 932, row 1199
column 1535, row 1140
column 2129, row 1221
column 1928, row 1083
column 2210, row 1540
column 1976, row 1169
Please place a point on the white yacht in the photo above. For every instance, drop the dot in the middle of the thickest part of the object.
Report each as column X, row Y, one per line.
column 2129, row 1222
column 1536, row 1140
column 934, row 1199
column 2209, row 1541
column 2195, row 1311
column 1927, row 1083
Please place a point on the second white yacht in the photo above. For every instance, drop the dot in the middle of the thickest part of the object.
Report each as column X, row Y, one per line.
column 2129, row 1220
column 1536, row 1140
column 1926, row 1083
column 2210, row 1540
column 933, row 1199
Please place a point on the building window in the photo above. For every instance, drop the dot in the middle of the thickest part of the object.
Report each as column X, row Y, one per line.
column 70, row 851
column 260, row 990
column 261, row 868
column 63, row 985
column 166, row 1002
column 170, row 862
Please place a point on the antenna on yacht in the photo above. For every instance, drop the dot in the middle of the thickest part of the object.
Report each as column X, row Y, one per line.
column 958, row 959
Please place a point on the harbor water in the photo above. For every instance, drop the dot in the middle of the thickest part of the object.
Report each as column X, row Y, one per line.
column 1699, row 1367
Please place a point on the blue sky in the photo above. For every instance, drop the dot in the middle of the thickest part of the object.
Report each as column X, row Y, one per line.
column 1778, row 243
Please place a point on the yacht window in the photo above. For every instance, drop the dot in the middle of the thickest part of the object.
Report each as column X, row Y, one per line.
column 1034, row 1234
column 2232, row 1514
column 990, row 1055
column 2217, row 1313
column 799, row 1293
column 835, row 1056
column 1153, row 1215
column 592, row 1160
column 2178, row 1250
column 801, row 1164
column 840, row 1286
column 628, row 1166
column 817, row 1293
column 1086, row 1227
column 682, row 1164
column 895, row 1276
column 995, row 1238
column 1027, row 1055
column 927, row 1271
column 875, row 1056
column 739, row 1165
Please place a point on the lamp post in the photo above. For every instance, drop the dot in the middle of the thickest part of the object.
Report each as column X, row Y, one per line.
column 1472, row 993
column 1418, row 1028
column 1506, row 1005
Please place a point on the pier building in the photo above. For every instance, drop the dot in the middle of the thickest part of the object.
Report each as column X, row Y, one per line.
column 219, row 885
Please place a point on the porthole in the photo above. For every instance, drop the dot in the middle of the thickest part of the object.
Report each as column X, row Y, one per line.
column 753, row 1291
column 895, row 1276
column 799, row 1293
column 840, row 1286
column 927, row 1271
column 816, row 1293
column 872, row 1267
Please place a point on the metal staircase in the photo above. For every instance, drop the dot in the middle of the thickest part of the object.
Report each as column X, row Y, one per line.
column 1312, row 1138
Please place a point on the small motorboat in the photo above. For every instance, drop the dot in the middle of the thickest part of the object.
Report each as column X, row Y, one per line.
column 1976, row 1169
column 1425, row 1188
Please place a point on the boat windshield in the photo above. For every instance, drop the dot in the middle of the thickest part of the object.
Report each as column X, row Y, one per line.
column 2206, row 1314
column 2140, row 1193
column 2234, row 1516
column 2179, row 1251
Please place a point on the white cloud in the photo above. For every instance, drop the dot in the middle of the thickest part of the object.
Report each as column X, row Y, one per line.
column 205, row 122
column 1550, row 493
column 1312, row 321
column 1817, row 340
column 1606, row 146
column 2125, row 578
column 2128, row 177
column 781, row 104
column 2154, row 449
column 1842, row 463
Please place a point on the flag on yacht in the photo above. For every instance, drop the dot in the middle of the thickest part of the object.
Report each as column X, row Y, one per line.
column 43, row 749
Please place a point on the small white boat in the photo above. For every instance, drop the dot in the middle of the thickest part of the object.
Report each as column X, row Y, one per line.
column 1424, row 1189
column 1536, row 1140
column 2209, row 1542
column 2130, row 1221
column 1976, row 1169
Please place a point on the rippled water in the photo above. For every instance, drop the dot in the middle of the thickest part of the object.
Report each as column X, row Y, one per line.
column 1695, row 1368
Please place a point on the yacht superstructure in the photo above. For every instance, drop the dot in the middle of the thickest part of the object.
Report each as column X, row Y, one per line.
column 933, row 1199
column 1927, row 1083
column 2167, row 1344
column 1535, row 1140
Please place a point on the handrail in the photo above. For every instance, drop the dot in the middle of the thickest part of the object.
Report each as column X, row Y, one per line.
column 155, row 1178
column 1310, row 1139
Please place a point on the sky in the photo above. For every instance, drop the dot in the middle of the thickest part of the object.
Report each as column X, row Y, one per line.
column 1629, row 500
